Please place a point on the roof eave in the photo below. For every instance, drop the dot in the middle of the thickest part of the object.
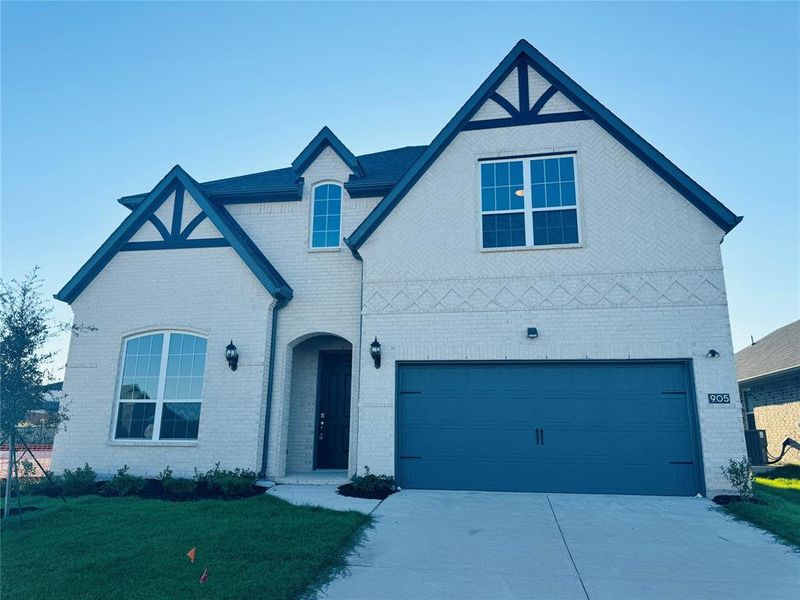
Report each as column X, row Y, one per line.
column 260, row 266
column 282, row 194
column 326, row 138
column 770, row 375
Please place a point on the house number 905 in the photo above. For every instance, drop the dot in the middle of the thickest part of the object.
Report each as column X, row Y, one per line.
column 719, row 398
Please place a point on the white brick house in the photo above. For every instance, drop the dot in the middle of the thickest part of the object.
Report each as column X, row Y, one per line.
column 546, row 288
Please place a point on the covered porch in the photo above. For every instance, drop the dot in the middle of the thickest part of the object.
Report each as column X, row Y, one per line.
column 318, row 412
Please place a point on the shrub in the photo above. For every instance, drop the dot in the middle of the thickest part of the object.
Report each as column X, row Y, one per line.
column 226, row 483
column 27, row 476
column 369, row 485
column 47, row 486
column 124, row 484
column 80, row 482
column 740, row 476
column 177, row 488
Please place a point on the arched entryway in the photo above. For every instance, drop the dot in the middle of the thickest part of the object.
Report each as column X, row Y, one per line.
column 319, row 404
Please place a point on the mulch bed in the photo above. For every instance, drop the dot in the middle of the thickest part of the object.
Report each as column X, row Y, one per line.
column 725, row 499
column 349, row 490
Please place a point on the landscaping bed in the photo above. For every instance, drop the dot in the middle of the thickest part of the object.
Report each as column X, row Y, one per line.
column 369, row 485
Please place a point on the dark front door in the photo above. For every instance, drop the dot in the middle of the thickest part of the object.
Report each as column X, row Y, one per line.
column 333, row 413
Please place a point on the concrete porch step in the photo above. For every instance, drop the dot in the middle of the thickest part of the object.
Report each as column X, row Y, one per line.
column 319, row 477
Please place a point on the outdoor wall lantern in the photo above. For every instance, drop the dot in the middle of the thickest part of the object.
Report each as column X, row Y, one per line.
column 375, row 352
column 712, row 353
column 232, row 356
column 533, row 333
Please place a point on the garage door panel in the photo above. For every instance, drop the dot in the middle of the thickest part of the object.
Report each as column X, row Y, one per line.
column 564, row 477
column 608, row 427
column 456, row 474
column 611, row 447
column 439, row 442
column 509, row 408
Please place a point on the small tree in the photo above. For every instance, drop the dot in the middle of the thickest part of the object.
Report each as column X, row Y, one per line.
column 25, row 329
column 740, row 476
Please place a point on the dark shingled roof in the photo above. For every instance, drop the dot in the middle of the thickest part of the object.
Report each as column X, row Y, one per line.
column 278, row 178
column 382, row 170
column 778, row 351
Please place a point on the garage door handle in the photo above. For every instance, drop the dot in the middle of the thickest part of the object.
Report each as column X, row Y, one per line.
column 537, row 436
column 541, row 436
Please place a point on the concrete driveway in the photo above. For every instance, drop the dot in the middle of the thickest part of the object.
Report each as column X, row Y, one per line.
column 484, row 545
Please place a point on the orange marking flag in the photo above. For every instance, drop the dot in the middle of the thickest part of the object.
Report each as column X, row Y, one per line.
column 191, row 554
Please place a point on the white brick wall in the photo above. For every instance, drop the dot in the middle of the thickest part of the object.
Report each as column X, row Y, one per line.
column 647, row 283
column 207, row 291
column 326, row 284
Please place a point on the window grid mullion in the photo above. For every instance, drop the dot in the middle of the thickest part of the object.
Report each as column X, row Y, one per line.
column 528, row 205
column 551, row 208
column 162, row 378
column 510, row 211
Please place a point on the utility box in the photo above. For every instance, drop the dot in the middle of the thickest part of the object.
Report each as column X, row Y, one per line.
column 756, row 441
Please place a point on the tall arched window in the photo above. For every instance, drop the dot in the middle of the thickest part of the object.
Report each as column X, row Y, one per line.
column 161, row 387
column 326, row 216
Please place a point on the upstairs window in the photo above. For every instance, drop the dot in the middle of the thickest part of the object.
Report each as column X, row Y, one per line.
column 326, row 216
column 530, row 202
column 161, row 387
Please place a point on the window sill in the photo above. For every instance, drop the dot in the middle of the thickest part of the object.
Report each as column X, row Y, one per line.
column 315, row 250
column 523, row 248
column 161, row 443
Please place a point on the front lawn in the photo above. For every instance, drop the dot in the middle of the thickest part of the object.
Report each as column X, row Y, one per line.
column 780, row 490
column 131, row 548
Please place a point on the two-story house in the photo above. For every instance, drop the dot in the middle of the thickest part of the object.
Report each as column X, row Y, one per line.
column 534, row 301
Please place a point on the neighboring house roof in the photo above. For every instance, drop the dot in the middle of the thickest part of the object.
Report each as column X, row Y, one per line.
column 776, row 352
column 521, row 55
column 176, row 181
column 380, row 171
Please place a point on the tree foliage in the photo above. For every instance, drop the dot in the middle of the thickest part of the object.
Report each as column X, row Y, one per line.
column 24, row 331
column 26, row 326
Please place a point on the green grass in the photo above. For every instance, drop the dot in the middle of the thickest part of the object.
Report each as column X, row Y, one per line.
column 780, row 489
column 786, row 477
column 131, row 548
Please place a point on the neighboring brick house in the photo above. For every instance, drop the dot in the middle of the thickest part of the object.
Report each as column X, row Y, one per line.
column 769, row 385
column 533, row 301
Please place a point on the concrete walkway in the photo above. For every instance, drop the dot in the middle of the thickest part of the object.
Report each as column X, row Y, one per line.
column 493, row 546
column 325, row 496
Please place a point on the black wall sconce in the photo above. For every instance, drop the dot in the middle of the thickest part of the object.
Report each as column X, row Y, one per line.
column 232, row 356
column 375, row 352
column 533, row 333
column 712, row 353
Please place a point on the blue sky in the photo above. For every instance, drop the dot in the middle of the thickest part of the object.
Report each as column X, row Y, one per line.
column 101, row 100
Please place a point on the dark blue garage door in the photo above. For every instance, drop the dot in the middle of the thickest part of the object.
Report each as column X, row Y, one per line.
column 586, row 427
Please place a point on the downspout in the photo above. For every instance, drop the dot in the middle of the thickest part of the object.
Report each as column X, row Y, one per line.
column 271, row 372
column 358, row 358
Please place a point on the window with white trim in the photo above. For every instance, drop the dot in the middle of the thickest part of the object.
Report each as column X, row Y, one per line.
column 326, row 216
column 529, row 202
column 161, row 387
